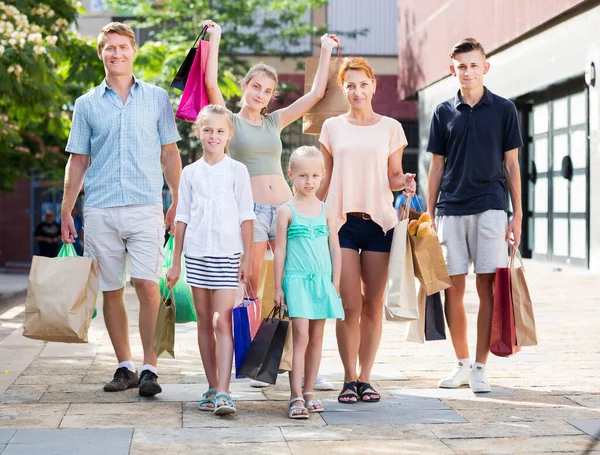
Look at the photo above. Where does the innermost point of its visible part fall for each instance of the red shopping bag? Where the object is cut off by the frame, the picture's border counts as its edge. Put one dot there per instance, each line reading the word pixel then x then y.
pixel 194 96
pixel 503 338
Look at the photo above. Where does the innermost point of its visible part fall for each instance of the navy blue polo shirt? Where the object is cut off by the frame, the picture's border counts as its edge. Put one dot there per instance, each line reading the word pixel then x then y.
pixel 474 141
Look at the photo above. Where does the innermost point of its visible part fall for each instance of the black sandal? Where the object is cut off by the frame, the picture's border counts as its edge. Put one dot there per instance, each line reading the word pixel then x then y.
pixel 373 396
pixel 352 394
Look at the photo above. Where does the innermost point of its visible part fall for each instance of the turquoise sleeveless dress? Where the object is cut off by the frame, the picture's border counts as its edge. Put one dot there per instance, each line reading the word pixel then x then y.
pixel 307 278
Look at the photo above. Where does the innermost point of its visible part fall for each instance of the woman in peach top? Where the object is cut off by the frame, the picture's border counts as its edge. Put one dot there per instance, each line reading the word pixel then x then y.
pixel 363 160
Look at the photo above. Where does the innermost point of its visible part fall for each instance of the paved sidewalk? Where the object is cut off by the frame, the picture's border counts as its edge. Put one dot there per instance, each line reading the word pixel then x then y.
pixel 545 399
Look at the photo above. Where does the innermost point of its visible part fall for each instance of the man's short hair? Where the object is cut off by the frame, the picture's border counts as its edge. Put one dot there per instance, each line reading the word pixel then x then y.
pixel 466 45
pixel 115 27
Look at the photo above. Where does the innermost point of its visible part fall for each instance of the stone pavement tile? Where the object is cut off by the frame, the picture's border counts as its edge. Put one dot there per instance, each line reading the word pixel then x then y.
pixel 58 367
pixel 357 432
pixel 392 411
pixel 503 429
pixel 48 379
pixel 282 393
pixel 2 447
pixel 526 414
pixel 463 393
pixel 380 372
pixel 31 415
pixel 6 435
pixel 13 362
pixel 589 401
pixel 489 446
pixel 123 415
pixel 212 436
pixel 276 448
pixel 395 447
pixel 590 426
pixel 70 350
pixel 87 393
pixel 70 442
pixel 23 394
pixel 193 392
pixel 249 414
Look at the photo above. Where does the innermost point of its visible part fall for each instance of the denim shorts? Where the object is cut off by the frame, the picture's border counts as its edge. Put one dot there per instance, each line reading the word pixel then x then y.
pixel 264 225
pixel 364 235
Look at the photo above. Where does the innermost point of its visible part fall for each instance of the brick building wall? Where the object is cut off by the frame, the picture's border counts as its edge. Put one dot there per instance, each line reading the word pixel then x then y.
pixel 15 225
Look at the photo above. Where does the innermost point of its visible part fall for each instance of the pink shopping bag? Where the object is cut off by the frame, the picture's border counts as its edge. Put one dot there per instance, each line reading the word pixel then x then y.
pixel 194 96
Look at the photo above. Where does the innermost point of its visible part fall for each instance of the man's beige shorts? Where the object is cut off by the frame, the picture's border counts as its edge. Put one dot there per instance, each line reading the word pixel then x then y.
pixel 115 234
pixel 479 238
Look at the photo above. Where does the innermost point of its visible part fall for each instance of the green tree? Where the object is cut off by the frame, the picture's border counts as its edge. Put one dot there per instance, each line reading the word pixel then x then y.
pixel 44 66
pixel 250 27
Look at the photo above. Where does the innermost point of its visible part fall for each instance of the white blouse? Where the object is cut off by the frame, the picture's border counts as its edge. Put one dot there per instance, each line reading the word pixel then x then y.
pixel 214 200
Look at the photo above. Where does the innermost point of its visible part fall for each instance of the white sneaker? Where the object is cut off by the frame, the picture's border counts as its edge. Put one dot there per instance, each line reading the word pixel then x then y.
pixel 322 385
pixel 478 380
pixel 458 377
pixel 258 384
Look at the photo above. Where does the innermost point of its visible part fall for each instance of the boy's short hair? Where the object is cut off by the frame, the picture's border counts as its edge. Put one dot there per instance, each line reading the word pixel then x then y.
pixel 115 27
pixel 466 45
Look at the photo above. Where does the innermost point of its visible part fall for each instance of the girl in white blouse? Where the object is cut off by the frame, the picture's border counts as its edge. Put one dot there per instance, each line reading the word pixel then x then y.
pixel 214 230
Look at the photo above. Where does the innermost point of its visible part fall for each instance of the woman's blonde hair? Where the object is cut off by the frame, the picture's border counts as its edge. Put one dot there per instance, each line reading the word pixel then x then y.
pixel 256 70
pixel 214 109
pixel 304 152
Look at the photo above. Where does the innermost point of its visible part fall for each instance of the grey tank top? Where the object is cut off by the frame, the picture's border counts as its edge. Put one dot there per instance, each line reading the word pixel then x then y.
pixel 258 147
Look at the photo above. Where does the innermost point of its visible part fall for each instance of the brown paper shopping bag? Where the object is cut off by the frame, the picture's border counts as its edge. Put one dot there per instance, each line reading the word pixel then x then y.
pixel 401 292
pixel 332 104
pixel 523 307
pixel 266 287
pixel 430 266
pixel 164 334
pixel 61 296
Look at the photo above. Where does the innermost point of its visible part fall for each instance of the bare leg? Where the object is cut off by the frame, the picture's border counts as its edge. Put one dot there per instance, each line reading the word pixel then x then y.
pixel 117 323
pixel 485 290
pixel 149 296
pixel 348 330
pixel 206 334
pixel 374 275
pixel 223 301
pixel 301 340
pixel 312 357
pixel 457 316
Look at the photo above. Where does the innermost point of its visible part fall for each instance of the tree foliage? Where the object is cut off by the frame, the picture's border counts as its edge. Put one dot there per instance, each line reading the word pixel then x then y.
pixel 44 66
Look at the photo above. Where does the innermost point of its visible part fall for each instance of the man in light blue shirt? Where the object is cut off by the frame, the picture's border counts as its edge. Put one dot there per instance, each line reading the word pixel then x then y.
pixel 122 141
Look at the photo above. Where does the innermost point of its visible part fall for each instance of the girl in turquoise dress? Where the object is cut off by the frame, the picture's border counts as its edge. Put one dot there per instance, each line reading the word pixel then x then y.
pixel 307 275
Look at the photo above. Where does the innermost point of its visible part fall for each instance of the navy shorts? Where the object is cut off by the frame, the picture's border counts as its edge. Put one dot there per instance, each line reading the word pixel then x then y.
pixel 364 235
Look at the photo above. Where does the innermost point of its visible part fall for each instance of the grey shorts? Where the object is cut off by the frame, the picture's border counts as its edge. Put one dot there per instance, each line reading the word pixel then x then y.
pixel 479 238
pixel 264 225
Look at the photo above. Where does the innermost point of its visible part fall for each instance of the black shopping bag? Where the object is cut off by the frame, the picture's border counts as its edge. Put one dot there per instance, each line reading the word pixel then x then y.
pixel 264 354
pixel 184 70
pixel 435 327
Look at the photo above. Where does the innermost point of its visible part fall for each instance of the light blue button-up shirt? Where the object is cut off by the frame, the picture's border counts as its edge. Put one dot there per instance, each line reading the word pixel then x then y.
pixel 124 143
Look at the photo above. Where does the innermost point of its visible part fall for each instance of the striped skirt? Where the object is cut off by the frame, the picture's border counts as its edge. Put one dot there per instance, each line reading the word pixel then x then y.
pixel 213 272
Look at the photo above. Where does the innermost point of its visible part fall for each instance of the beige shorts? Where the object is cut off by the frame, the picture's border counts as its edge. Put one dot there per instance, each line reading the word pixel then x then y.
pixel 115 234
pixel 479 238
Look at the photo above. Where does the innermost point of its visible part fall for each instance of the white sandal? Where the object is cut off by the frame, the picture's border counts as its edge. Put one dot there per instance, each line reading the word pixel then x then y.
pixel 315 404
pixel 295 409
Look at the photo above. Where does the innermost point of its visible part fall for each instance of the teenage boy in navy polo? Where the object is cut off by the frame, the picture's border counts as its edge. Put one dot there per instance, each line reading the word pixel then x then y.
pixel 474 140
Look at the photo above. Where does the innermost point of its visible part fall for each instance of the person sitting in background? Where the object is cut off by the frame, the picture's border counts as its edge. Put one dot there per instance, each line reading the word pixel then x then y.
pixel 47 235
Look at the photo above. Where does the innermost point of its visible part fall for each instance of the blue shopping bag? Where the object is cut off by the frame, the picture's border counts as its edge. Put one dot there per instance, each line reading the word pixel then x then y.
pixel 241 336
